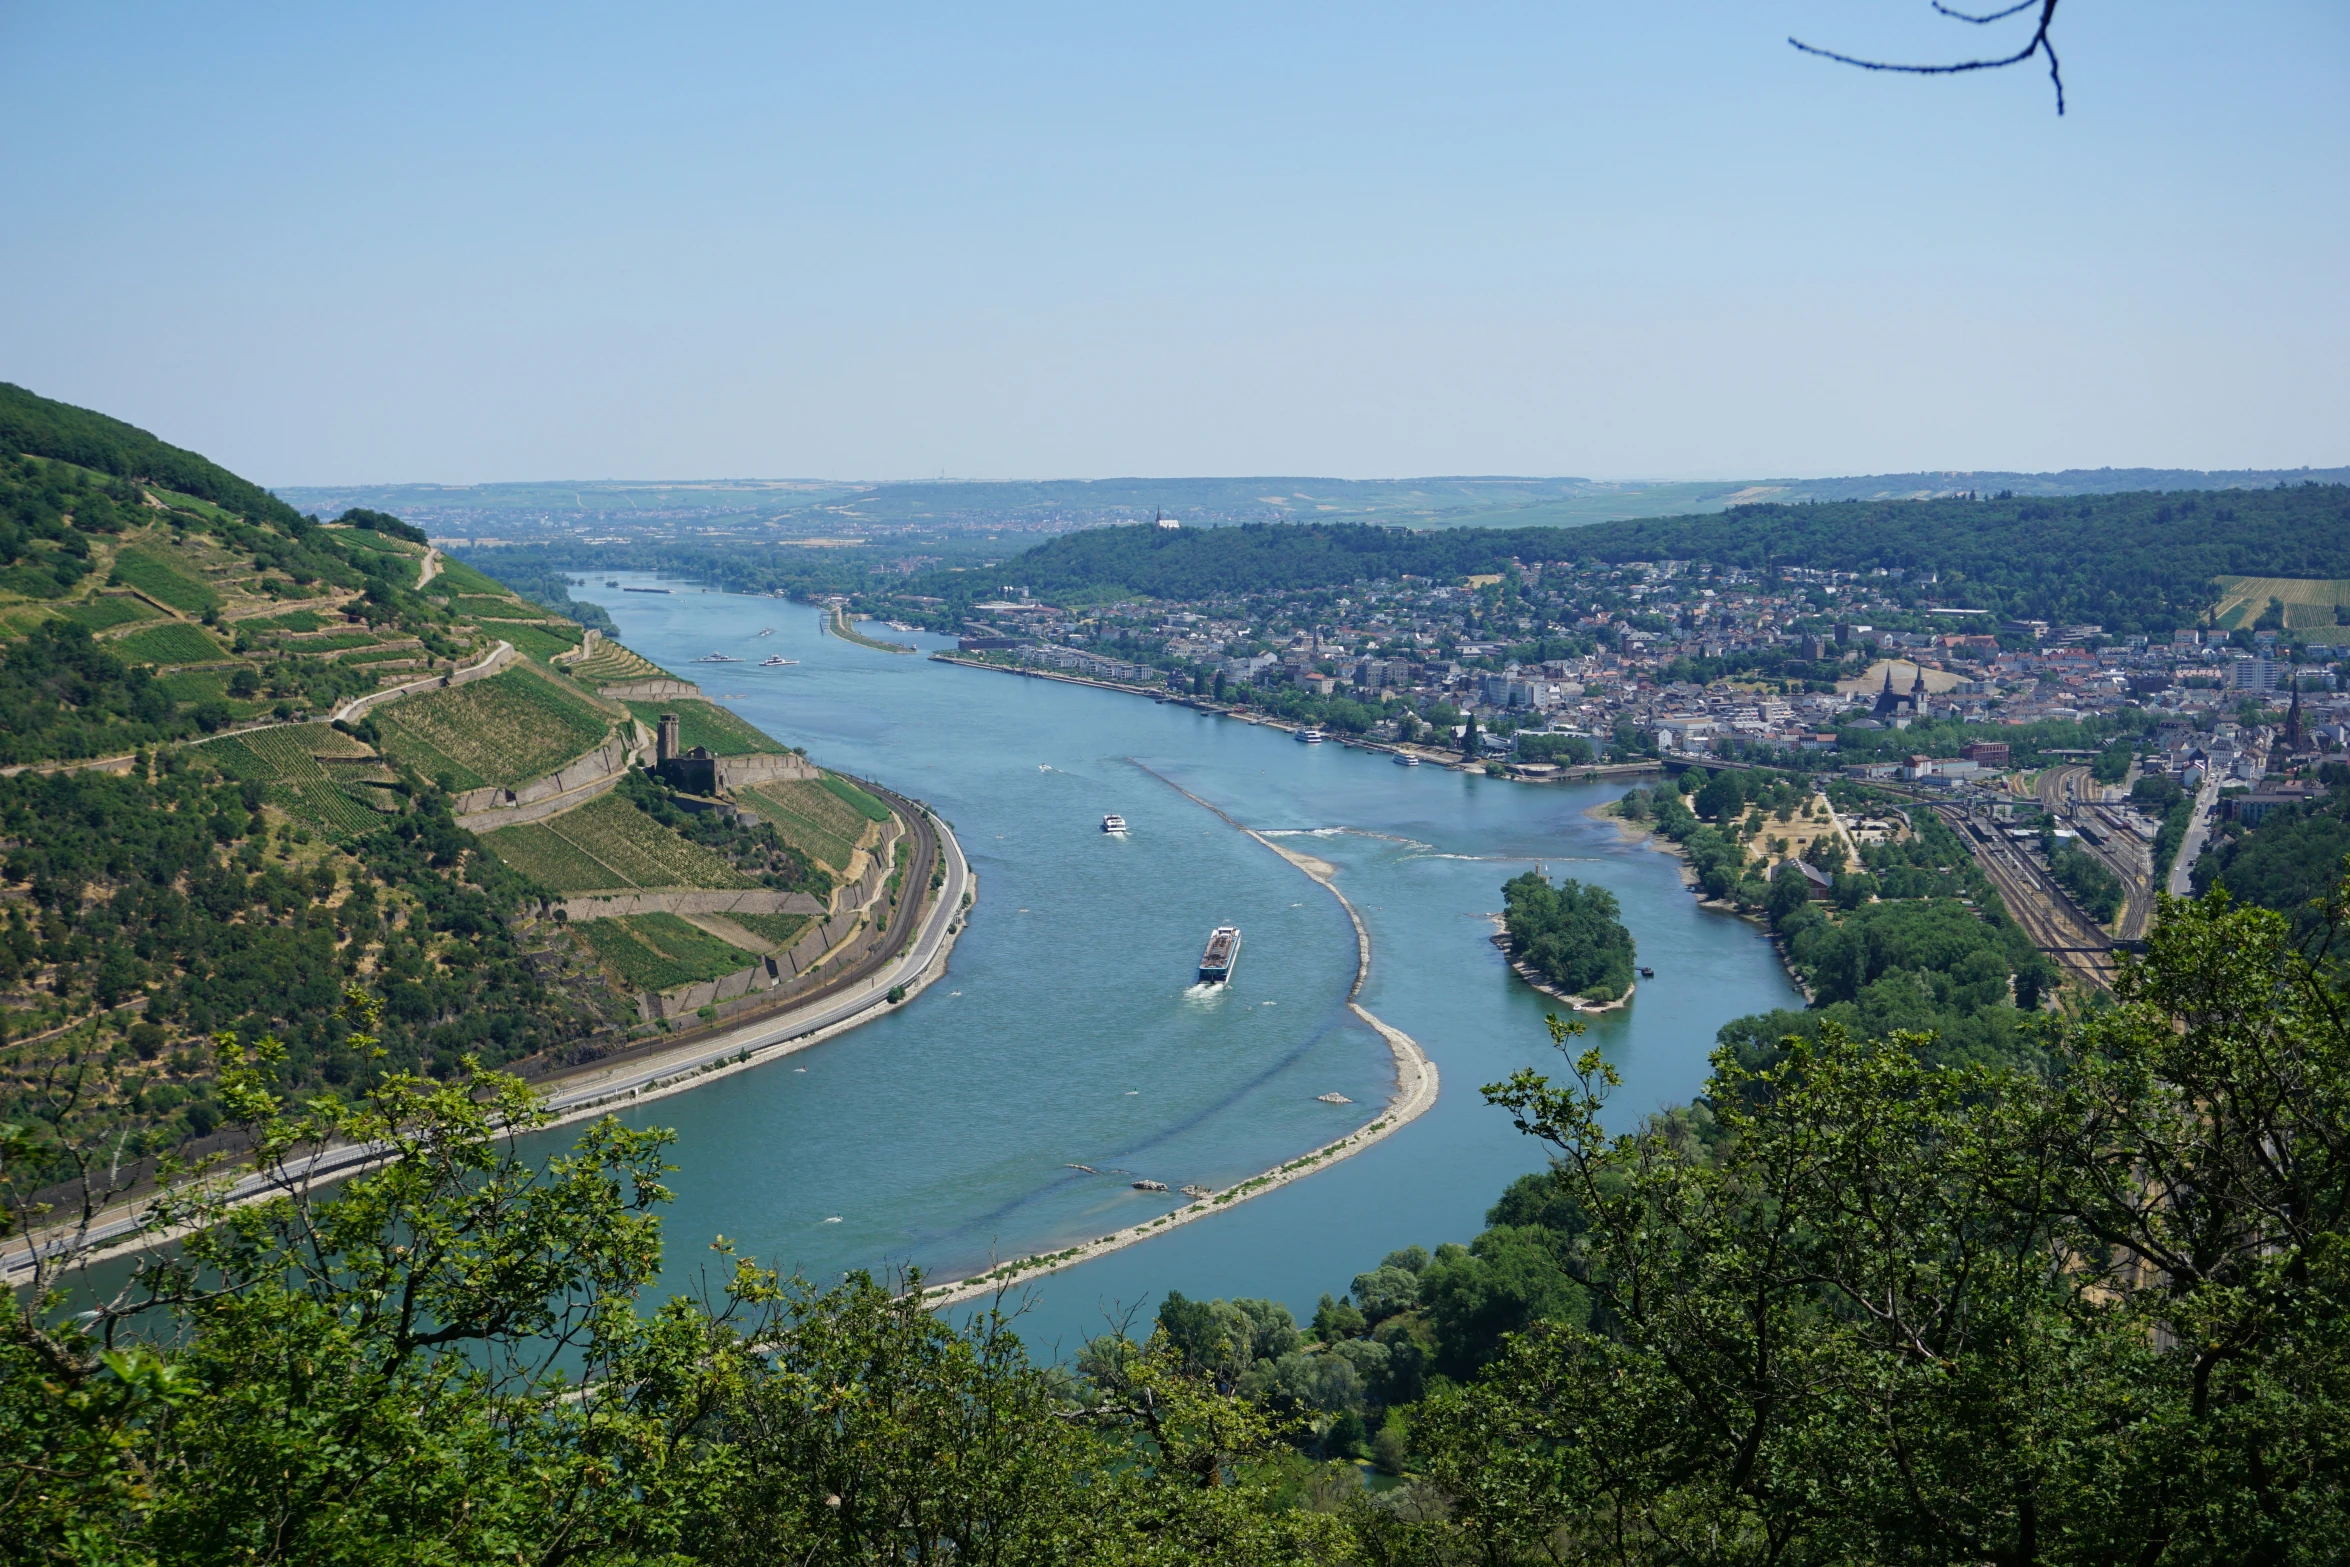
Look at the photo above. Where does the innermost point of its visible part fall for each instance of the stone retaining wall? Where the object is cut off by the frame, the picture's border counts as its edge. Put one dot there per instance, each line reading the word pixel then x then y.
pixel 754 900
pixel 605 763
pixel 500 657
pixel 651 691
pixel 741 772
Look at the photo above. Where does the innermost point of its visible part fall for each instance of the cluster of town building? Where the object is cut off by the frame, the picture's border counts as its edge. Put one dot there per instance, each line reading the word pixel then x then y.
pixel 1683 657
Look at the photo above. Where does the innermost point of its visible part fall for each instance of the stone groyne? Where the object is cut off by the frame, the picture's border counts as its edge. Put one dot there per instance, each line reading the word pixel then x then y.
pixel 1415 1094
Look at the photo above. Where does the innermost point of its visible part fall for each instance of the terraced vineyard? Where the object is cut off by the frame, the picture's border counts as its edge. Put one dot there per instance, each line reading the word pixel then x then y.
pixel 605 845
pixel 611 662
pixel 503 731
pixel 708 724
pixel 304 767
pixel 532 639
pixel 812 819
pixel 855 799
pixel 660 951
pixel 172 643
pixel 161 579
pixel 101 614
pixel 778 930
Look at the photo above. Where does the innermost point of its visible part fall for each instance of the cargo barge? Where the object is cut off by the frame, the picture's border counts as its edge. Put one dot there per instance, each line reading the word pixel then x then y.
pixel 1216 964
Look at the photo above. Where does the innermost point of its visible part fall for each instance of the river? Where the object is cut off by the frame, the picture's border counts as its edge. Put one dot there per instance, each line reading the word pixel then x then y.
pixel 1068 1031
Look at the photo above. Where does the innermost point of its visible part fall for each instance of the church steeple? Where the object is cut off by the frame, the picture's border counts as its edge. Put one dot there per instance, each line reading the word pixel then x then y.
pixel 2293 720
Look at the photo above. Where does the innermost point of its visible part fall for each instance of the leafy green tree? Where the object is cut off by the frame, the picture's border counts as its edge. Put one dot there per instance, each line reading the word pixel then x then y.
pixel 1887 1311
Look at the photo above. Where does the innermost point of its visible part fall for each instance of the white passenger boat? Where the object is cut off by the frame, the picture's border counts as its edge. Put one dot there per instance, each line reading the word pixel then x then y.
pixel 1406 759
pixel 1311 737
pixel 1114 823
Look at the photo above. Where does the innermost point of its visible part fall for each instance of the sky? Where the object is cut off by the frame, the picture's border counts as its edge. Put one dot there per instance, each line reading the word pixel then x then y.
pixel 359 244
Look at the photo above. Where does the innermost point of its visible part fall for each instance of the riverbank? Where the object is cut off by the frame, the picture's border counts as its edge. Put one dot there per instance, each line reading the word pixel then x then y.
pixel 1593 772
pixel 1533 977
pixel 601 1088
pixel 1415 1094
pixel 1646 833
pixel 836 621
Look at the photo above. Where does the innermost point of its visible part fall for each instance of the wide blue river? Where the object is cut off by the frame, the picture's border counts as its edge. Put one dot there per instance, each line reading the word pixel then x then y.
pixel 1069 1032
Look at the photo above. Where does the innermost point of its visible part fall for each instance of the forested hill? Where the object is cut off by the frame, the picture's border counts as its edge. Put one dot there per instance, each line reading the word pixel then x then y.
pixel 40 427
pixel 2143 561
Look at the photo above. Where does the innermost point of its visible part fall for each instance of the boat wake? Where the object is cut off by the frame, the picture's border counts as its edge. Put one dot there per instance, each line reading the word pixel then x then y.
pixel 1205 994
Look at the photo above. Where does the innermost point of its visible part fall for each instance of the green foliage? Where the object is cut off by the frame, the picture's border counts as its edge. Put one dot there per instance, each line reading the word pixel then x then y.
pixel 661 951
pixel 37 425
pixel 2096 889
pixel 1893 1311
pixel 1572 934
pixel 779 930
pixel 2289 863
pixel 2131 562
pixel 64 696
pixel 383 523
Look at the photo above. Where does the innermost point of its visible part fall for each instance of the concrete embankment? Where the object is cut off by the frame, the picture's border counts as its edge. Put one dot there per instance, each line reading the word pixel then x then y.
pixel 1415 1093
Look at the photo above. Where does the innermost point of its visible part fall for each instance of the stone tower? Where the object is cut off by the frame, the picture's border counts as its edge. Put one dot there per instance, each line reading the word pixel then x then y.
pixel 665 747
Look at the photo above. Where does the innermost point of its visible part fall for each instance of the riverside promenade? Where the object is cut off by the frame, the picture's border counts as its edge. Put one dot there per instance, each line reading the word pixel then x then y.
pixel 1415 1094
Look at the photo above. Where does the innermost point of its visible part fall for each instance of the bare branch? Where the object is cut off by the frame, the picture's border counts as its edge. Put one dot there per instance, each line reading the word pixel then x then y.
pixel 2040 44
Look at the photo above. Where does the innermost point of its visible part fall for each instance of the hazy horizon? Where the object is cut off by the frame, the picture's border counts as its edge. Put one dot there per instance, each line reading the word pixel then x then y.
pixel 1220 240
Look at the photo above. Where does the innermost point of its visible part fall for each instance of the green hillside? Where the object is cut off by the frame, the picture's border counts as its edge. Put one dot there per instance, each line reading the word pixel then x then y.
pixel 2143 561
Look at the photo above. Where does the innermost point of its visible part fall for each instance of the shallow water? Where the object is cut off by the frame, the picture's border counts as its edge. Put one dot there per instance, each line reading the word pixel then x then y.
pixel 1069 1030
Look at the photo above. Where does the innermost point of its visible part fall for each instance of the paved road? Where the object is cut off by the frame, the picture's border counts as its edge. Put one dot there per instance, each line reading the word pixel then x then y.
pixel 864 988
pixel 2182 884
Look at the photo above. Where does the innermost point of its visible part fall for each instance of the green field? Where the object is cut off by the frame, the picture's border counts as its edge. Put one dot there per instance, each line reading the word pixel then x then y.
pixel 173 643
pixel 99 614
pixel 378 655
pixel 533 641
pixel 856 799
pixel 159 578
pixel 661 951
pixel 2310 602
pixel 503 731
pixel 605 845
pixel 811 818
pixel 779 930
pixel 708 724
pixel 305 767
pixel 292 620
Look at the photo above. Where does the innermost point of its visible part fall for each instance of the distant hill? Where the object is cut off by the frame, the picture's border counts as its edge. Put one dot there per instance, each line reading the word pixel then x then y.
pixel 2135 561
pixel 529 512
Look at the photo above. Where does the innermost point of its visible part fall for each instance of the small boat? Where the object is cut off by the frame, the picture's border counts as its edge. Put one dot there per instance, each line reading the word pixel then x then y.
pixel 776 661
pixel 1406 759
pixel 1648 973
pixel 1216 964
pixel 717 658
pixel 767 631
pixel 612 582
pixel 1311 737
pixel 1114 823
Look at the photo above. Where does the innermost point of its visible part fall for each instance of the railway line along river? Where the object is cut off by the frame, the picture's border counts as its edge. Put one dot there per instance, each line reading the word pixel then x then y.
pixel 1008 1110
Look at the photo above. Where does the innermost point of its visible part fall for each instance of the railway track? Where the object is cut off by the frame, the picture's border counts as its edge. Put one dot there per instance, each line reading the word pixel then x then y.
pixel 2069 794
pixel 2080 948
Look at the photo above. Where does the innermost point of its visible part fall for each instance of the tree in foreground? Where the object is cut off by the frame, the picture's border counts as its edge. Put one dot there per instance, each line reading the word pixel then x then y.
pixel 1862 1309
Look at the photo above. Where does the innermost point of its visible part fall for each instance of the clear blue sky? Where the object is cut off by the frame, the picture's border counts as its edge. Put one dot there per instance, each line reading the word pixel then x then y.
pixel 343 243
